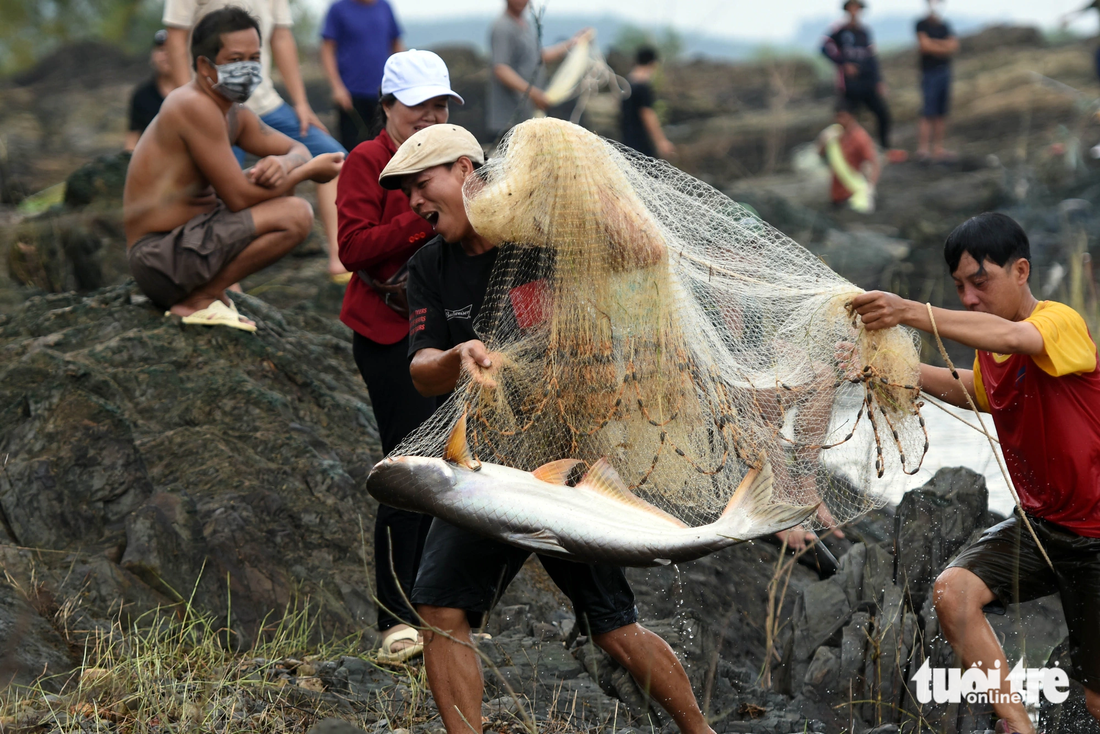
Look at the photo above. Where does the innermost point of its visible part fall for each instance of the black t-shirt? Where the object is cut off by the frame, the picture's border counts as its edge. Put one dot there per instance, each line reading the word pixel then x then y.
pixel 939 30
pixel 446 289
pixel 634 133
pixel 144 105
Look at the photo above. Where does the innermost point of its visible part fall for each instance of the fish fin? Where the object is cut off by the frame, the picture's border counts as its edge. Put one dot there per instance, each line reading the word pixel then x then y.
pixel 556 472
pixel 457 450
pixel 540 541
pixel 754 491
pixel 603 478
pixel 750 512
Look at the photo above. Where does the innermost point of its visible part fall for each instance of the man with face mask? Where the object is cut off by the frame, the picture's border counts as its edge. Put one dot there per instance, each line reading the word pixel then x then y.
pixel 195 222
pixel 294 117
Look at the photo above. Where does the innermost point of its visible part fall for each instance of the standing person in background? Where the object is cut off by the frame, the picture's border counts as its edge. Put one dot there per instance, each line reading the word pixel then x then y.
pixel 937 45
pixel 146 100
pixel 850 47
pixel 357 38
pixel 378 235
pixel 640 126
pixel 516 69
pixel 298 122
pixel 1094 5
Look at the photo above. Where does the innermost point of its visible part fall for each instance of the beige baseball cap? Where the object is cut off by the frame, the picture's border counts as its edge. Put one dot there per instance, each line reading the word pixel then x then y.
pixel 436 145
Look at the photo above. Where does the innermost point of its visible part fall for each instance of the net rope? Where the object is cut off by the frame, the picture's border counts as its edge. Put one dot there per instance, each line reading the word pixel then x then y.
pixel 638 314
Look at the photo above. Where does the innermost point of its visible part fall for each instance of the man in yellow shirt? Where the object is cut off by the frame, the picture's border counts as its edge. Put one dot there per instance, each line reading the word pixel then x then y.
pixel 1036 372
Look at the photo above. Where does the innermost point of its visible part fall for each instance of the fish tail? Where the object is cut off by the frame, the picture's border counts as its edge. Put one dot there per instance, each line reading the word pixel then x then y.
pixel 750 512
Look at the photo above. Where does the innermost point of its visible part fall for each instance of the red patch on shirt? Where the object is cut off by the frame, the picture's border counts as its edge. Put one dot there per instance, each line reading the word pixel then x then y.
pixel 531 303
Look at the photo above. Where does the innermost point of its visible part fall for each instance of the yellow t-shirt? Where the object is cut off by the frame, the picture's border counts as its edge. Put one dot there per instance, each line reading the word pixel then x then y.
pixel 1067 347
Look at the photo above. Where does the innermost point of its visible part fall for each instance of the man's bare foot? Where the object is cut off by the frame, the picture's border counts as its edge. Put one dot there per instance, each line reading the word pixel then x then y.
pixel 195 303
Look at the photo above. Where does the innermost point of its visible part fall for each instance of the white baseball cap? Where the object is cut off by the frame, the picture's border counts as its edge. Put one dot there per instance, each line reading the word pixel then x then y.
pixel 416 76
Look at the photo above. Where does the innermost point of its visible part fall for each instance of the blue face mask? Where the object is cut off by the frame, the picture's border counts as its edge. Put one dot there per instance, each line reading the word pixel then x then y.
pixel 237 80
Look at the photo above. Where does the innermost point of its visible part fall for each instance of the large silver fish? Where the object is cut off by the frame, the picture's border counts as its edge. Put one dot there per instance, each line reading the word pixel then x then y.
pixel 597 521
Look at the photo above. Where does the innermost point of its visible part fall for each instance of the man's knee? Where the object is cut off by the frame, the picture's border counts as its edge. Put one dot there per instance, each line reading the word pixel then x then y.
pixel 299 216
pixel 957 595
pixel 445 619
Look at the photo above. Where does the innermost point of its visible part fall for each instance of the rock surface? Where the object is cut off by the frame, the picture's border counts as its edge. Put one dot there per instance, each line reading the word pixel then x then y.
pixel 156 460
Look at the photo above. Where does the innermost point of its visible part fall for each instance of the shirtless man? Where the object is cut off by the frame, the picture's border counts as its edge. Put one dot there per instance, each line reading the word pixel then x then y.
pixel 195 222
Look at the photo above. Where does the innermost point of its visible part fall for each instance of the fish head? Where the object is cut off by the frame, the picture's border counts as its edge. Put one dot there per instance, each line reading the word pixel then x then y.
pixel 411 482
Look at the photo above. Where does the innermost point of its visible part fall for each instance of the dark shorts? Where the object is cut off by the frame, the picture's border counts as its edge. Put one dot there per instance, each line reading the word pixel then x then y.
pixel 461 570
pixel 935 84
pixel 1008 561
pixel 168 266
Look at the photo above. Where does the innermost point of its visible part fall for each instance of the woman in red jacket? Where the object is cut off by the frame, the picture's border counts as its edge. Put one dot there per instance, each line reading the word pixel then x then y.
pixel 378 234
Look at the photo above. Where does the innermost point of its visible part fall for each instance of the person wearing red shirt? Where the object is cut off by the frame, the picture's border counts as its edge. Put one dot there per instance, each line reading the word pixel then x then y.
pixel 857 148
pixel 378 233
pixel 1036 372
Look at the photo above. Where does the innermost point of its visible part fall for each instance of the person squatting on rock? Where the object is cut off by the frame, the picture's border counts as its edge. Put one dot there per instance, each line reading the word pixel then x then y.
pixel 378 235
pixel 298 122
pixel 147 97
pixel 937 44
pixel 461 573
pixel 858 78
pixel 195 222
pixel 1036 372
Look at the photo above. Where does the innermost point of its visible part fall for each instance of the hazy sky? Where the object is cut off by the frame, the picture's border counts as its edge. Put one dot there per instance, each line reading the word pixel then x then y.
pixel 753 19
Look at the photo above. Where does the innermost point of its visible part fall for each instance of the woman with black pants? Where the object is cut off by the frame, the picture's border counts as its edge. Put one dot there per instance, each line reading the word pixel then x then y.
pixel 378 234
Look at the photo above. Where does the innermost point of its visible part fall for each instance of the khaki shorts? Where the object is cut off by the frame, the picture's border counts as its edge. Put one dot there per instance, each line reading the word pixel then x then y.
pixel 168 266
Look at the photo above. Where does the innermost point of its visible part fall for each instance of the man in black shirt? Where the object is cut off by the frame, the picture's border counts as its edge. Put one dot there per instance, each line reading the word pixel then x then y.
pixel 850 47
pixel 640 126
pixel 462 574
pixel 147 98
pixel 937 44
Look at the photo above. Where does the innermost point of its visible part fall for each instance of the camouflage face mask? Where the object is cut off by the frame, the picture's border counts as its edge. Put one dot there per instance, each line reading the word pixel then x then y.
pixel 237 79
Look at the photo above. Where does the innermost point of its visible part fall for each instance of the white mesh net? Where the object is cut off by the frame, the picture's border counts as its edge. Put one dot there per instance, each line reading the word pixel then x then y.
pixel 640 315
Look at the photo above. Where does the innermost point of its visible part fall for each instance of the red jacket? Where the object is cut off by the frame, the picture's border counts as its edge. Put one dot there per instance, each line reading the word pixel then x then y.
pixel 378 233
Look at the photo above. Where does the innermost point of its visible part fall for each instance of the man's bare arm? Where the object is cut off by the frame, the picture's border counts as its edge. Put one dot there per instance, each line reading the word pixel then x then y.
pixel 179 58
pixel 436 371
pixel 340 94
pixel 510 78
pixel 204 133
pixel 983 331
pixel 261 140
pixel 939 383
pixel 284 52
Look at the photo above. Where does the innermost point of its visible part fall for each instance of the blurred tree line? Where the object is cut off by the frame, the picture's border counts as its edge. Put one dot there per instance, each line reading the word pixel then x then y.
pixel 31 29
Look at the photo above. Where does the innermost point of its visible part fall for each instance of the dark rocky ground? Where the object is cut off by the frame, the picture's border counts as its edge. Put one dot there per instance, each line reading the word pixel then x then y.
pixel 146 463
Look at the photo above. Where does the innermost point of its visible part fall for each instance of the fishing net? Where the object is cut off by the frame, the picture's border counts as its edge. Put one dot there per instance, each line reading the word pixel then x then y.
pixel 638 314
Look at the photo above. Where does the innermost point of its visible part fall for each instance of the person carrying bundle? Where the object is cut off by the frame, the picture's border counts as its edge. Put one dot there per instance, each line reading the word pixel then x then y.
pixel 462 574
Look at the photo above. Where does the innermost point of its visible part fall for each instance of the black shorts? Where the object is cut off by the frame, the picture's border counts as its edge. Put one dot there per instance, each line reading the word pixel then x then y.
pixel 1010 564
pixel 462 570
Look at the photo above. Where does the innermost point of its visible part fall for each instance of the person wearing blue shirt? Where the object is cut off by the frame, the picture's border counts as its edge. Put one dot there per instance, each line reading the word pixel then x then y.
pixel 357 38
